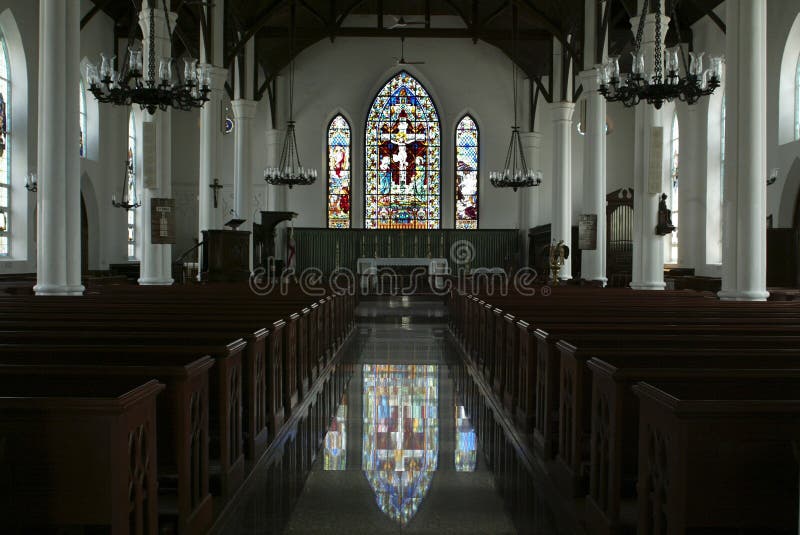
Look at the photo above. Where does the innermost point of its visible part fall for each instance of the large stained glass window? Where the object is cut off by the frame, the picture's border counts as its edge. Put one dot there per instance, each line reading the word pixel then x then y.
pixel 403 145
pixel 401 435
pixel 131 186
pixel 339 173
pixel 5 146
pixel 467 152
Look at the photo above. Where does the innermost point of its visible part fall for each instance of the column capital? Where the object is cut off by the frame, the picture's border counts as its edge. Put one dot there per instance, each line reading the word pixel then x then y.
pixel 589 81
pixel 160 22
pixel 219 75
pixel 244 109
pixel 562 111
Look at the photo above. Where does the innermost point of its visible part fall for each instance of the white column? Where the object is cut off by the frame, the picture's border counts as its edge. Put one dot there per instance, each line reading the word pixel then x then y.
pixel 593 263
pixel 155 266
pixel 648 248
pixel 243 111
pixel 210 141
pixel 561 228
pixel 58 270
pixel 529 197
pixel 692 201
pixel 274 144
pixel 744 229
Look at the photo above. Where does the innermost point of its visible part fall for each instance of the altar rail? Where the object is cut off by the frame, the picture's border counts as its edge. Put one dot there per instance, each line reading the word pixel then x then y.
pixel 327 249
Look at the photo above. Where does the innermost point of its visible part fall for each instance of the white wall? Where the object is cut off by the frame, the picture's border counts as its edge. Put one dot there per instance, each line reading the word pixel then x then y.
pixel 460 77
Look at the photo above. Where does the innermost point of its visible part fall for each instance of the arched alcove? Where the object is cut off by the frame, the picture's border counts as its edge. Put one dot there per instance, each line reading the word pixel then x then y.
pixel 20 202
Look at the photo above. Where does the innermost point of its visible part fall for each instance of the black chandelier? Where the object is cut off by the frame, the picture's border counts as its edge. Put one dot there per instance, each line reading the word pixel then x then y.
pixel 290 172
pixel 655 88
pixel 150 93
pixel 129 200
pixel 515 173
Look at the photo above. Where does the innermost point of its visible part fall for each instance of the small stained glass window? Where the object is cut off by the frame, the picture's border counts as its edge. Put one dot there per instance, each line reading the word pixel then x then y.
pixel 467 156
pixel 5 147
pixel 674 191
pixel 83 121
pixel 339 173
pixel 131 186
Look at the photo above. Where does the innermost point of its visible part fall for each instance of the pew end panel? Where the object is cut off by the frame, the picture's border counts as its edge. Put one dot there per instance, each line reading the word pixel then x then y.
pixel 104 474
pixel 714 456
pixel 545 433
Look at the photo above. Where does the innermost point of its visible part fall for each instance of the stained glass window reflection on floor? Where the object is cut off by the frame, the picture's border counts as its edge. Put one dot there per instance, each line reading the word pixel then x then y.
pixel 401 435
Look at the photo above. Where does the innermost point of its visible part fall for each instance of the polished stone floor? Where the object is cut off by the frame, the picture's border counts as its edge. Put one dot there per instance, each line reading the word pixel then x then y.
pixel 457 502
pixel 412 442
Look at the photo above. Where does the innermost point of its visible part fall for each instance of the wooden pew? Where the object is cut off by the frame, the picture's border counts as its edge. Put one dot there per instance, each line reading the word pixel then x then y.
pixel 78 453
pixel 718 456
pixel 615 415
pixel 183 414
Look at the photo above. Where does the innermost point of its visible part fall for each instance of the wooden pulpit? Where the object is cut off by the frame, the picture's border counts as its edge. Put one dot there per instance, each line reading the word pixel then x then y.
pixel 264 237
pixel 226 255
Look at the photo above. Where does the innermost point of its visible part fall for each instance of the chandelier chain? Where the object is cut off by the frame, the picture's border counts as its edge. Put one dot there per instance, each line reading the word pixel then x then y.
pixel 657 78
pixel 151 61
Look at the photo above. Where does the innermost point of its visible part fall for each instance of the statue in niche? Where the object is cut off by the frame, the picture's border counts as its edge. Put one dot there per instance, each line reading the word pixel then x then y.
pixel 664 225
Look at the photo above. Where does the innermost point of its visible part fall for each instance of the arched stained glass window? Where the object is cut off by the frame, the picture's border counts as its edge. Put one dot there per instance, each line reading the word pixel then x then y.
pixel 674 150
pixel 467 158
pixel 403 155
pixel 5 146
pixel 132 185
pixel 83 120
pixel 339 173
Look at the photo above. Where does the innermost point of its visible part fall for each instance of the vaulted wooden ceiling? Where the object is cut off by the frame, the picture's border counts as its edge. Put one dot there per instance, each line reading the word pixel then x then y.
pixel 492 21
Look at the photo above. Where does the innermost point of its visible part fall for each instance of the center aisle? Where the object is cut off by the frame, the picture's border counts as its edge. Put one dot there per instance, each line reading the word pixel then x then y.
pixel 410 435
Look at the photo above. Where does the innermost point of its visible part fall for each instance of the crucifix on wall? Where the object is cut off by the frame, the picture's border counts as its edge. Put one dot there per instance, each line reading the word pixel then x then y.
pixel 216 186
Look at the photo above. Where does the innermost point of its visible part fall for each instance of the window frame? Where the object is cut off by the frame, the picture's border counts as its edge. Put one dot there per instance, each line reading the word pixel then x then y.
pixel 84 122
pixel 457 173
pixel 328 171
pixel 367 122
pixel 130 222
pixel 673 243
pixel 5 182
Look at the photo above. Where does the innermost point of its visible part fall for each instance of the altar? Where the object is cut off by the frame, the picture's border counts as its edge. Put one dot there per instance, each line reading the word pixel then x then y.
pixel 368 269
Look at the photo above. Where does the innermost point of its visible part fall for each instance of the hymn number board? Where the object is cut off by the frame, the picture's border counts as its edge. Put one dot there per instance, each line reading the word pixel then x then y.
pixel 162 221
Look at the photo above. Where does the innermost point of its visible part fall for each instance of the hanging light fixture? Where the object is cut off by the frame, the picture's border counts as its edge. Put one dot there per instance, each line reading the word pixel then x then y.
pixel 515 173
pixel 129 200
pixel 654 88
pixel 290 172
pixel 150 93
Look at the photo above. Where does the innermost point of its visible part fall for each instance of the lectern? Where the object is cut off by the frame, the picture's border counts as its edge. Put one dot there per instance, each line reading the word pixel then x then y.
pixel 226 255
pixel 264 237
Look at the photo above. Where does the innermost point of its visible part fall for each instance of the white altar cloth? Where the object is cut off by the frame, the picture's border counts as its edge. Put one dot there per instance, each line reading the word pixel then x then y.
pixel 368 269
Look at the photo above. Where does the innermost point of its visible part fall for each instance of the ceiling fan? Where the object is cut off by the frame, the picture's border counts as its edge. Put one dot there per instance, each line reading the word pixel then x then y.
pixel 401 22
pixel 402 59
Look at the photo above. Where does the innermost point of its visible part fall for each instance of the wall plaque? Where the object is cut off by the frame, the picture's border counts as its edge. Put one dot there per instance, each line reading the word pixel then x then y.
pixel 149 177
pixel 587 232
pixel 655 170
pixel 162 221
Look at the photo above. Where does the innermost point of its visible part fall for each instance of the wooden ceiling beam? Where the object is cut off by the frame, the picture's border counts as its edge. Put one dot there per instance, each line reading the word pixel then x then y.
pixel 262 19
pixel 281 32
